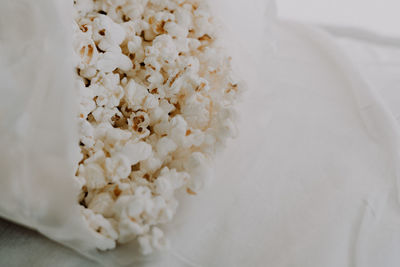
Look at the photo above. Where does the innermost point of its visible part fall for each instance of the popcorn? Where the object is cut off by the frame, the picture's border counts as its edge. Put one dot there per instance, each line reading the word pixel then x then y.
pixel 111 60
pixel 102 203
pixel 107 33
pixel 135 152
pixel 86 133
pixel 94 175
pixel 155 96
pixel 155 240
pixel 165 146
pixel 103 229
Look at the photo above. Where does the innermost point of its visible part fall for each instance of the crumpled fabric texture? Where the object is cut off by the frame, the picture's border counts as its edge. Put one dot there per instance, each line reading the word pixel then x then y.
pixel 36 121
pixel 311 180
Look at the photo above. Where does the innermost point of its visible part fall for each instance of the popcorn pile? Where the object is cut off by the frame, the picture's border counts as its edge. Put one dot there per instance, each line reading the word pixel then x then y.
pixel 156 99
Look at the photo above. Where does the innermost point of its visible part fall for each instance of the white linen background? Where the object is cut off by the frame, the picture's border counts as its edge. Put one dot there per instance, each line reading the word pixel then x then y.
pixel 380 16
pixel 311 179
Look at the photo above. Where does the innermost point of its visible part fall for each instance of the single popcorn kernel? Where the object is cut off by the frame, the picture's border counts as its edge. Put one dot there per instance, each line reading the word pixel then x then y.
pixel 156 100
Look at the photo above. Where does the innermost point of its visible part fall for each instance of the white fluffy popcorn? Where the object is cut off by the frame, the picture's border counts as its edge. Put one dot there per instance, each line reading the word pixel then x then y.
pixel 156 96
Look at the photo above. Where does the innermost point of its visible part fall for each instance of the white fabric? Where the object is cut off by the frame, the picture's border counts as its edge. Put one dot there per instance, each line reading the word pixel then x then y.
pixel 37 129
pixel 373 15
pixel 380 66
pixel 316 185
pixel 311 179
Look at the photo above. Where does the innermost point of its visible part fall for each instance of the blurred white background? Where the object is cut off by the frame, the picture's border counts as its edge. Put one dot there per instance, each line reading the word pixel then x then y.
pixel 376 15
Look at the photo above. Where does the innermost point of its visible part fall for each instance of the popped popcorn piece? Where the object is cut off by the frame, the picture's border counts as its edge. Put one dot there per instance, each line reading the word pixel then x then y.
pixel 155 240
pixel 107 33
pixel 102 203
pixel 155 96
pixel 102 229
pixel 94 175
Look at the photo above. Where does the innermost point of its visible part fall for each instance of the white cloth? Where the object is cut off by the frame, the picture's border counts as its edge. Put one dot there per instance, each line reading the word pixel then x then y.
pixel 37 125
pixel 311 179
pixel 373 15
